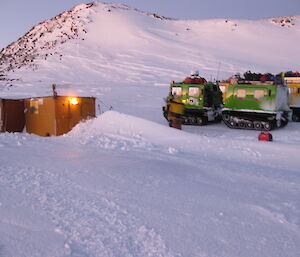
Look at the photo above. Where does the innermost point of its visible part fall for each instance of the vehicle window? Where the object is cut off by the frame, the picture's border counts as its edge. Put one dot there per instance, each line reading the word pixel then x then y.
pixel 176 91
pixel 194 91
pixel 259 93
pixel 222 88
pixel 241 93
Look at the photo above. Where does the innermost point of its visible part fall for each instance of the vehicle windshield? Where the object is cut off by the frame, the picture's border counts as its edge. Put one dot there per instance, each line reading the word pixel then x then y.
pixel 222 88
pixel 194 91
pixel 176 91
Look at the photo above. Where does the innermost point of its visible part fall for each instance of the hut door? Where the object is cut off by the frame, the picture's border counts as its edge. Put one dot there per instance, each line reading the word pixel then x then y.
pixel 63 116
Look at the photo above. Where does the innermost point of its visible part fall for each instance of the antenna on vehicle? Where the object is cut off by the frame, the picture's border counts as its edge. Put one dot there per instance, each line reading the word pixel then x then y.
pixel 219 66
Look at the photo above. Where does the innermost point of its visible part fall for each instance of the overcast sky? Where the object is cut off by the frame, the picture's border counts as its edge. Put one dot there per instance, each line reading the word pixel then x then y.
pixel 18 16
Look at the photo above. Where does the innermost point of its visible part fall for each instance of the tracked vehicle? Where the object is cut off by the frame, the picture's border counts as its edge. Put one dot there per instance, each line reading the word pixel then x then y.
pixel 258 105
pixel 293 83
pixel 202 102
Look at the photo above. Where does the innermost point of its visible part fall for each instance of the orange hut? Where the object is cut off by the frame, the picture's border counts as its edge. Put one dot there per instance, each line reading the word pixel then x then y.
pixel 57 115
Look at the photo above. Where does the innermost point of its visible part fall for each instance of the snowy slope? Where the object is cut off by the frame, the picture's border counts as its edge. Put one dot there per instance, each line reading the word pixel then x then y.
pixel 125 184
pixel 102 44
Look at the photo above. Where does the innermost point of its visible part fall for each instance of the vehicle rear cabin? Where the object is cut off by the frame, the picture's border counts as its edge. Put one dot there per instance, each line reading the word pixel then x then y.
pixel 256 105
pixel 294 90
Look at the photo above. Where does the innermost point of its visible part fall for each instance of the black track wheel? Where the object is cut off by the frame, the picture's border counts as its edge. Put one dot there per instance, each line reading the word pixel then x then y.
pixel 249 124
pixel 232 123
pixel 200 121
pixel 242 124
pixel 267 126
pixel 295 118
pixel 278 123
pixel 192 121
pixel 257 125
pixel 226 117
pixel 185 121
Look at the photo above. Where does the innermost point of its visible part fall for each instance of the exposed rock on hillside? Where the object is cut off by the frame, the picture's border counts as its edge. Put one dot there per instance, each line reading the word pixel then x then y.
pixel 42 39
pixel 286 21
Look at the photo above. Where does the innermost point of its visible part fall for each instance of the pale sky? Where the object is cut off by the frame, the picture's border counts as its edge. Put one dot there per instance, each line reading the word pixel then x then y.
pixel 18 16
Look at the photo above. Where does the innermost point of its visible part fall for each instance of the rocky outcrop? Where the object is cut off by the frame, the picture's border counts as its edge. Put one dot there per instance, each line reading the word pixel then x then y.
pixel 42 39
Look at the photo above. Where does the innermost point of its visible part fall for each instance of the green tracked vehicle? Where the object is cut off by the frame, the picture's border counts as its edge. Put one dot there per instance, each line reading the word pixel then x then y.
pixel 202 102
pixel 258 105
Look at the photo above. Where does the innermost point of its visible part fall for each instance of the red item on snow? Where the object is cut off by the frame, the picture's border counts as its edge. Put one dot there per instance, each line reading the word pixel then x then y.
pixel 265 136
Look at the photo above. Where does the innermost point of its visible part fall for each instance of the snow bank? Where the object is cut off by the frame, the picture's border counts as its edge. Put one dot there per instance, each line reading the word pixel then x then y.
pixel 114 130
pixel 119 131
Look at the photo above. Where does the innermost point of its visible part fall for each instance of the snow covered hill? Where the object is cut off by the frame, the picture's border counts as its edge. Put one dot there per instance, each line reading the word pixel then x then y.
pixel 109 44
pixel 125 184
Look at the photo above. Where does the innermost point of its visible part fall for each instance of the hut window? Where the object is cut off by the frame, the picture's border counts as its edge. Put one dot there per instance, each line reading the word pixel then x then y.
pixel 34 106
pixel 259 93
pixel 298 90
pixel 73 100
pixel 176 91
pixel 194 91
pixel 241 93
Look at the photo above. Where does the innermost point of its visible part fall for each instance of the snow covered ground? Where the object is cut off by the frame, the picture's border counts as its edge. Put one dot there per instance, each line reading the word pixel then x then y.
pixel 125 184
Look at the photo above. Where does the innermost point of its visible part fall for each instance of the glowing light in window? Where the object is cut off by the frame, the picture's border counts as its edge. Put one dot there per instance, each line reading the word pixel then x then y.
pixel 73 100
